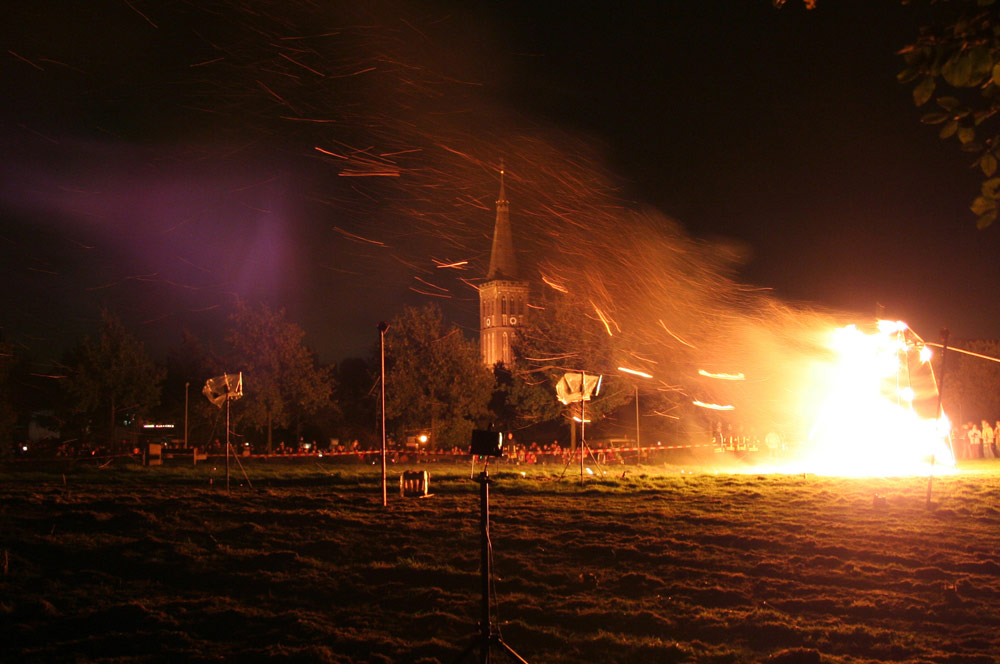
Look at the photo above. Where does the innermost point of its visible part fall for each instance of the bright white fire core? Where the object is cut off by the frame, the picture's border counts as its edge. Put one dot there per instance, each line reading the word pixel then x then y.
pixel 879 413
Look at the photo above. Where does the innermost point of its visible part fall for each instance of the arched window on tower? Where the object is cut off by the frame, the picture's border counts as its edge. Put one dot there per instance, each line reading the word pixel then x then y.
pixel 503 305
pixel 506 350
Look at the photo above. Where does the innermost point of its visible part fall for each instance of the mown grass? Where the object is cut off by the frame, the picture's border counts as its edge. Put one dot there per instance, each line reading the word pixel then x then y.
pixel 133 564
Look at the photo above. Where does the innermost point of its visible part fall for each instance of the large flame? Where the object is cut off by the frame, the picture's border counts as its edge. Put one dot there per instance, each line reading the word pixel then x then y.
pixel 880 412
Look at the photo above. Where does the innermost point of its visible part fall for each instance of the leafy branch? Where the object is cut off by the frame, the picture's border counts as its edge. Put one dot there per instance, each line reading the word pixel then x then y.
pixel 956 64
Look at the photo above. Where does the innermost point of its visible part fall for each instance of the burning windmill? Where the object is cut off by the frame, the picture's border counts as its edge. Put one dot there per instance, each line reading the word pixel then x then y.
pixel 879 413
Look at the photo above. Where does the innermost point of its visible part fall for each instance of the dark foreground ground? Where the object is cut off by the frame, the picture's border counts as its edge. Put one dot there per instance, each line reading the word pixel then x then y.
pixel 156 565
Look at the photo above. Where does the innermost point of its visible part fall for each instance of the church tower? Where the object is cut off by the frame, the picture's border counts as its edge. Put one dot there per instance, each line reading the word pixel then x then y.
pixel 503 298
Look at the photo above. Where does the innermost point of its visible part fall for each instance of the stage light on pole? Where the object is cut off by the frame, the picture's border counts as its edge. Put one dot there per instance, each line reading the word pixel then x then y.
pixel 578 386
pixel 224 389
pixel 487 444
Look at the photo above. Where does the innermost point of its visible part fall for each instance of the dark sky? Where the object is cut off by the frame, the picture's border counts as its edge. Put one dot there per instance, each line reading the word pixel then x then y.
pixel 162 159
pixel 787 131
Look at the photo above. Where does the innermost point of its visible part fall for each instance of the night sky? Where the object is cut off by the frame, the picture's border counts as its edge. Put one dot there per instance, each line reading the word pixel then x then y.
pixel 162 159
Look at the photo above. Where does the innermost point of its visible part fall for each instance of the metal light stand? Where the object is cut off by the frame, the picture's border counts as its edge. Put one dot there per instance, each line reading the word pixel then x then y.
pixel 213 390
pixel 382 327
pixel 230 450
pixel 584 395
pixel 486 638
pixel 584 447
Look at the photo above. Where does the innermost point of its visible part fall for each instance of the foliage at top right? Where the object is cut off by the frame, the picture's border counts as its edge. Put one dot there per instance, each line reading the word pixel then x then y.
pixel 954 68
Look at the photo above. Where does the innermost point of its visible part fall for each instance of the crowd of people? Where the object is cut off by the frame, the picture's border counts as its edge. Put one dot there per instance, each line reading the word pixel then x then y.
pixel 977 441
pixel 734 438
pixel 739 440
pixel 514 453
pixel 524 454
pixel 554 453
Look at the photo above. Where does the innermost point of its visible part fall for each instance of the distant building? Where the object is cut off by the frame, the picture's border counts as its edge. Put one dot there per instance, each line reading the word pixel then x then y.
pixel 503 298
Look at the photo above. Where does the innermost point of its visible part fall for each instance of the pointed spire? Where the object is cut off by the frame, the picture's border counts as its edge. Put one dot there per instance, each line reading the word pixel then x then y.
pixel 503 265
pixel 503 194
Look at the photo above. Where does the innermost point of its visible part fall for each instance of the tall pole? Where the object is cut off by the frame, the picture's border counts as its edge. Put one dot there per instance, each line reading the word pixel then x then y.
pixel 583 419
pixel 382 327
pixel 944 353
pixel 637 443
pixel 186 386
pixel 227 443
pixel 641 374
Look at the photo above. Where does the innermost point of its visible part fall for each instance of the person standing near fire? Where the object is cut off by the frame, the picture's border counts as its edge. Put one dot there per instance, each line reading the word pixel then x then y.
pixel 975 442
pixel 988 437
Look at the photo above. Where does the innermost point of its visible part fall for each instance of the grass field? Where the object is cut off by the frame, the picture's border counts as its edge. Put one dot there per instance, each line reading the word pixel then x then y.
pixel 133 564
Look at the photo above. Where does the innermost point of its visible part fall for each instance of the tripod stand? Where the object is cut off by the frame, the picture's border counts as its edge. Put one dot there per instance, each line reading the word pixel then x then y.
pixel 585 450
pixel 229 449
pixel 486 637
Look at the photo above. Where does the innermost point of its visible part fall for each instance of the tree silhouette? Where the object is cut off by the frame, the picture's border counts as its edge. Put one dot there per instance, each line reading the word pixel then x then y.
pixel 282 380
pixel 435 377
pixel 113 372
pixel 562 337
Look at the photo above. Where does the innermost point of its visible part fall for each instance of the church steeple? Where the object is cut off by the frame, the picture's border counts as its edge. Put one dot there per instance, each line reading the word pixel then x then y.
pixel 503 264
pixel 503 298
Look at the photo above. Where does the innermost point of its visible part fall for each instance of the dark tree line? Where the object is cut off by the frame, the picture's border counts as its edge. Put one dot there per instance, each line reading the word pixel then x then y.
pixel 436 383
pixel 111 385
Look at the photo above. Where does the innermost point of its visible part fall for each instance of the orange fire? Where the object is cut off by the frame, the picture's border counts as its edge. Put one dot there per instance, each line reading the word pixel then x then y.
pixel 879 416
